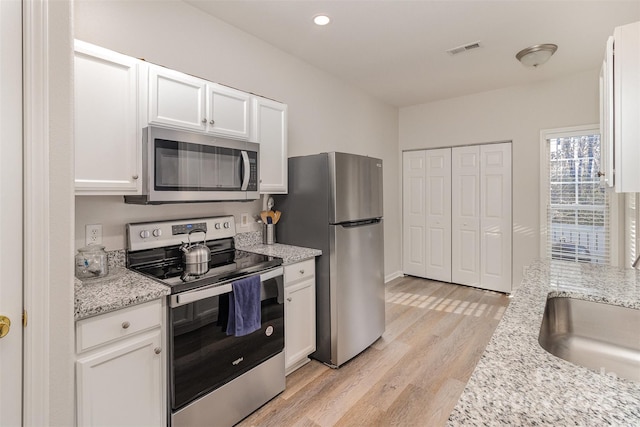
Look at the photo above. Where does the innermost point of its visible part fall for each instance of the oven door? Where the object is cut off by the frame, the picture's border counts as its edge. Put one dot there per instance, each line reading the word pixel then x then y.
pixel 202 356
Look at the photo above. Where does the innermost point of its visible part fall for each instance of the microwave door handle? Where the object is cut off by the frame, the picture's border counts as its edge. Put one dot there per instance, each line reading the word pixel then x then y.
pixel 246 169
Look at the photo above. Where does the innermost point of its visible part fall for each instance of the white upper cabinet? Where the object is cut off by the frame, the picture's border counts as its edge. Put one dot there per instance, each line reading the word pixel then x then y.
pixel 107 130
pixel 116 96
pixel 270 131
pixel 176 99
pixel 228 111
pixel 620 110
pixel 180 100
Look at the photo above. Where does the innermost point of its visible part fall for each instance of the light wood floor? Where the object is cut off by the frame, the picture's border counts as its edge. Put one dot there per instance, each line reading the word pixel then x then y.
pixel 412 376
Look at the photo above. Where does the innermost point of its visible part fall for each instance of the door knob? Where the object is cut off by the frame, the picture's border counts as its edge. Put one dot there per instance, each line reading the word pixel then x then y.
pixel 5 325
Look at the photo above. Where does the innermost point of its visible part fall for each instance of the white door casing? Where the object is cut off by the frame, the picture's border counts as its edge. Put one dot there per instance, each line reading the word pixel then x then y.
pixel 438 214
pixel 11 213
pixel 413 208
pixel 465 221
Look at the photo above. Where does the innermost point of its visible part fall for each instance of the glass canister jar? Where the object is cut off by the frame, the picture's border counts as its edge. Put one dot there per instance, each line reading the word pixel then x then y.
pixel 91 262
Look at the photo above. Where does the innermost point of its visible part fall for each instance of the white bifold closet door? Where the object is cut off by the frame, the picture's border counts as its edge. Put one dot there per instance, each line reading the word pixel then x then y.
pixel 427 213
pixel 481 216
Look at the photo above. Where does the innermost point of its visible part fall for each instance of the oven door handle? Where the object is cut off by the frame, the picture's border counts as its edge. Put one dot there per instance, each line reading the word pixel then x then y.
pixel 247 170
pixel 187 297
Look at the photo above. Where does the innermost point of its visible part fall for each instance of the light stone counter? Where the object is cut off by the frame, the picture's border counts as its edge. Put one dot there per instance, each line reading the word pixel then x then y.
pixel 252 242
pixel 119 289
pixel 517 382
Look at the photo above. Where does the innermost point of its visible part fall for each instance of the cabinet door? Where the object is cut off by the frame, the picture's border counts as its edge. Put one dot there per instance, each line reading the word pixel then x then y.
pixel 176 99
pixel 465 218
pixel 495 217
pixel 270 131
pixel 626 108
pixel 228 111
pixel 413 207
pixel 438 214
pixel 107 134
pixel 300 322
pixel 122 384
pixel 606 117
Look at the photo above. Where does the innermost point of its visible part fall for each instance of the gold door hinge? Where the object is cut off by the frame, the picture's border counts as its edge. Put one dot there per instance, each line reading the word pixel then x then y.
pixel 24 318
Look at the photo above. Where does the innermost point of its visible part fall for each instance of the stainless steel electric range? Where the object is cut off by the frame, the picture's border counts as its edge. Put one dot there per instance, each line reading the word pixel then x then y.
pixel 213 378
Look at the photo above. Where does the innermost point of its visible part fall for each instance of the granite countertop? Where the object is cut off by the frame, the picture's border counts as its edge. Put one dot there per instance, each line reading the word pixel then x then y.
pixel 517 382
pixel 252 242
pixel 119 289
pixel 123 287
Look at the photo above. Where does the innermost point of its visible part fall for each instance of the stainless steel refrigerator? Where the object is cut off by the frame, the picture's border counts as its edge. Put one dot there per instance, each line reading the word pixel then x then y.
pixel 335 204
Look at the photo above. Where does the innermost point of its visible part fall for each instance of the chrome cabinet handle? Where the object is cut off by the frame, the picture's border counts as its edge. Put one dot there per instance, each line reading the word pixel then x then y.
pixel 289 299
pixel 211 122
pixel 135 177
pixel 301 271
pixel 204 120
pixel 125 325
pixel 157 350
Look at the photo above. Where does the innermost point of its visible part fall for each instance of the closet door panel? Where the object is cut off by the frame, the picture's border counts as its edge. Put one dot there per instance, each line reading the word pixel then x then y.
pixel 465 218
pixel 438 219
pixel 414 214
pixel 495 218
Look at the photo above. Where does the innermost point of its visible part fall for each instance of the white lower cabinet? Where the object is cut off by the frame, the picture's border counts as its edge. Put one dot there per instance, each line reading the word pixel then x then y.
pixel 120 369
pixel 299 314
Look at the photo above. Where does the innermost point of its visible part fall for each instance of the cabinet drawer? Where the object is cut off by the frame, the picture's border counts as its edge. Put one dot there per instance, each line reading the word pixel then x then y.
pixel 118 324
pixel 299 271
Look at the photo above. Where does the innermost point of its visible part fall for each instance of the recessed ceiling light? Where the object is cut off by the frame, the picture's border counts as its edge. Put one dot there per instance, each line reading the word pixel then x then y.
pixel 321 19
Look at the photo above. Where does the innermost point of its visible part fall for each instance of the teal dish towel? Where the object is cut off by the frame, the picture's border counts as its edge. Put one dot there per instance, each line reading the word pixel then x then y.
pixel 244 307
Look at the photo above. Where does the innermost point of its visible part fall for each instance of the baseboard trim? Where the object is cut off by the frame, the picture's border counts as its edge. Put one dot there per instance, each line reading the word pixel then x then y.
pixel 392 276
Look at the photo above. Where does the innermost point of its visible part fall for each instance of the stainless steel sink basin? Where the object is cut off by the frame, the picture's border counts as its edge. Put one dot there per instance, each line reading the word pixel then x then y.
pixel 598 336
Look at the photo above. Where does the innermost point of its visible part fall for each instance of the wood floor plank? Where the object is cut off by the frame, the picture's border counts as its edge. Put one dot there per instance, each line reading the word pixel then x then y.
pixel 363 372
pixel 412 376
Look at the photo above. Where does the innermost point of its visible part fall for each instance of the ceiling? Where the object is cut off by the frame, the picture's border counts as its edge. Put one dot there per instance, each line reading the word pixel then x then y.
pixel 395 50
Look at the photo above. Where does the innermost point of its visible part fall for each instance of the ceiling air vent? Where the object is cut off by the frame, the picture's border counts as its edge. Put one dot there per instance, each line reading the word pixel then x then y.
pixel 464 48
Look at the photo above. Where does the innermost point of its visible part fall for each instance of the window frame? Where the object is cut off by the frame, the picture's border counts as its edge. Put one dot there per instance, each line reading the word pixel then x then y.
pixel 616 215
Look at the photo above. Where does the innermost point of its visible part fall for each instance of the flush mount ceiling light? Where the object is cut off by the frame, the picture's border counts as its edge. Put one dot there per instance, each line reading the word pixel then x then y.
pixel 321 20
pixel 536 55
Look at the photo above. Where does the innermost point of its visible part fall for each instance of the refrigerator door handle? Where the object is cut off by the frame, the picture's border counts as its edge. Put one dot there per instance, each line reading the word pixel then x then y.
pixel 360 223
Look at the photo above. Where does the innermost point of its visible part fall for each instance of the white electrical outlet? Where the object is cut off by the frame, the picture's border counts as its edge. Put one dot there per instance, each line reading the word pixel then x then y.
pixel 93 234
pixel 244 220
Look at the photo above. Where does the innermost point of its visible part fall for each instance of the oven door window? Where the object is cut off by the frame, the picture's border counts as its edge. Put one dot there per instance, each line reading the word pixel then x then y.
pixel 204 357
pixel 182 166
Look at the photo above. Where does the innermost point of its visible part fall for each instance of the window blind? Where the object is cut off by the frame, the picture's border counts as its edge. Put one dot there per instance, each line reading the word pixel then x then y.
pixel 578 210
pixel 631 218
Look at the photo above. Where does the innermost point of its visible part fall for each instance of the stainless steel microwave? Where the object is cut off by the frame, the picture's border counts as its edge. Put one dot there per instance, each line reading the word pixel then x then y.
pixel 182 167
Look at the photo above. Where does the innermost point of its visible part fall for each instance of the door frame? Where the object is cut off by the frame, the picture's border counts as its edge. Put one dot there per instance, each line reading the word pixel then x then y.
pixel 37 342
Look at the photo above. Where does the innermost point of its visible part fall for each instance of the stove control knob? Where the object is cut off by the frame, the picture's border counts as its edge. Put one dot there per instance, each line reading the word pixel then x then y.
pixel 157 232
pixel 144 234
pixel 217 226
pixel 226 225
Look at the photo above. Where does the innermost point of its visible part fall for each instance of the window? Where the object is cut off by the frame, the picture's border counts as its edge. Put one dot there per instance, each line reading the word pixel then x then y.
pixel 577 209
pixel 632 220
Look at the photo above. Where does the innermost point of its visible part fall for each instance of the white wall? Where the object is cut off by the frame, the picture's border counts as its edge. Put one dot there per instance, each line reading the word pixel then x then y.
pixel 325 114
pixel 514 114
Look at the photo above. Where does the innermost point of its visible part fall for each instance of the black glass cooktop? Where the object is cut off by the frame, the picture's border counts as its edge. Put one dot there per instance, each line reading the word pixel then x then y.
pixel 165 265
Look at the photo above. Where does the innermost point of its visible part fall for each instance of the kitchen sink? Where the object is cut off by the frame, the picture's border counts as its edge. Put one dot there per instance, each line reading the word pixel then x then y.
pixel 595 335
